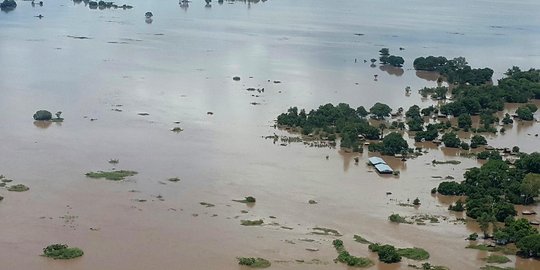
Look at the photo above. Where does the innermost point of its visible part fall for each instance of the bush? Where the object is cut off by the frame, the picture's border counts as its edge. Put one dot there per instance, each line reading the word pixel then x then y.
pixel 42 115
pixel 254 262
pixel 388 254
pixel 450 188
pixel 472 237
pixel 529 246
pixel 396 218
pixel 113 175
pixel 458 207
pixel 18 188
pixel 62 252
pixel 525 113
pixel 451 140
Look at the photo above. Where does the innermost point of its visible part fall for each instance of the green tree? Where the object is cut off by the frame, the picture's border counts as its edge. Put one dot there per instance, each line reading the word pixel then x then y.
pixel 525 113
pixel 388 254
pixel 465 121
pixel 529 246
pixel 362 112
pixel 530 187
pixel 478 140
pixel 396 61
pixel 451 140
pixel 393 143
pixel 507 120
pixel 380 110
pixel 483 221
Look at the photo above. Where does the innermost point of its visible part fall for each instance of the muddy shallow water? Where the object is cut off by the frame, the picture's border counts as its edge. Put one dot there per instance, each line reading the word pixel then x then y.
pixel 180 67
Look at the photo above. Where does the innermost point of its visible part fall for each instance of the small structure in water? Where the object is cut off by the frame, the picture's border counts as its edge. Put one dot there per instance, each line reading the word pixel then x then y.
pixel 380 165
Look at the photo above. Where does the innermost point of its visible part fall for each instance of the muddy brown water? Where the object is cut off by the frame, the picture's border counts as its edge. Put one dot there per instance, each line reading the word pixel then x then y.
pixel 179 68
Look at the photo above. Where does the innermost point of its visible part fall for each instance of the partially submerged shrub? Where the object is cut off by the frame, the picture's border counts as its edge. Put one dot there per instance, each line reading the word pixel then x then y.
pixel 248 199
pixel 345 257
pixel 42 115
pixel 254 262
pixel 18 188
pixel 251 222
pixel 112 175
pixel 62 252
pixel 396 218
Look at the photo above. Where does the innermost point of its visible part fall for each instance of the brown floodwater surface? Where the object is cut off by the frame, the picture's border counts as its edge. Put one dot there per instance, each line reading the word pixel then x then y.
pixel 179 68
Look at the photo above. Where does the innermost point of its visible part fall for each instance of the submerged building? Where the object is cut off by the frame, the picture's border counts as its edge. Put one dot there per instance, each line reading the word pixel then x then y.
pixel 380 165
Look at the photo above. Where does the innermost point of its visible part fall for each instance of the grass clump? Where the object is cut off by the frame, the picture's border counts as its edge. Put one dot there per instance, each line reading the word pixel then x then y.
pixel 414 253
pixel 251 222
pixel 497 259
pixel 112 175
pixel 508 250
pixel 492 267
pixel 18 188
pixel 254 262
pixel 361 239
pixel 62 252
pixel 345 257
pixel 207 204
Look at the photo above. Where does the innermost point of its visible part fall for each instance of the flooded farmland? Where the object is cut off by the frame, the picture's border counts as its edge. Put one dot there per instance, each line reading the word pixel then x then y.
pixel 123 81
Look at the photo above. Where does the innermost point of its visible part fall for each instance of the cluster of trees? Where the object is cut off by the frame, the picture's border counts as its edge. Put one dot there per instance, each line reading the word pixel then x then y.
pixel 438 93
pixel 492 191
pixel 392 144
pixel 393 60
pixel 518 86
pixel 386 253
pixel 456 71
pixel 526 112
pixel 330 120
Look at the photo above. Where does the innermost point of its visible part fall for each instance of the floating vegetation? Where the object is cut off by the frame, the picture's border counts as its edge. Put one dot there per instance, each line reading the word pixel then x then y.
pixel 18 188
pixel 345 257
pixel 312 202
pixel 493 267
pixel 257 222
pixel 361 239
pixel 177 129
pixel 325 231
pixel 508 250
pixel 112 175
pixel 254 262
pixel 439 162
pixel 396 218
pixel 174 179
pixel 494 258
pixel 207 204
pixel 414 253
pixel 114 161
pixel 248 199
pixel 428 266
pixel 62 252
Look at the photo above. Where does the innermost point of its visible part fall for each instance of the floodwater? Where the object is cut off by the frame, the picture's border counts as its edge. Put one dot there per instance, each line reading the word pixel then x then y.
pixel 102 68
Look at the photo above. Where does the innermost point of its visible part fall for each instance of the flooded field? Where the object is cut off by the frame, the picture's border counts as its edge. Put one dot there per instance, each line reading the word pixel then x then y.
pixel 123 82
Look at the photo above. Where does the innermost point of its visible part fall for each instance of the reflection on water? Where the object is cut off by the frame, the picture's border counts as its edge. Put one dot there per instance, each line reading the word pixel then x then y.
pixel 396 71
pixel 427 75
